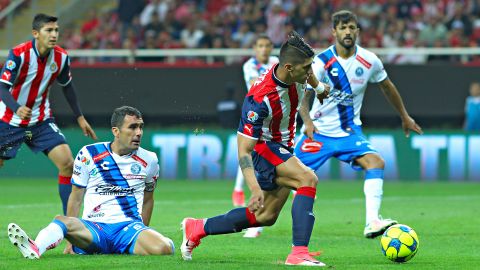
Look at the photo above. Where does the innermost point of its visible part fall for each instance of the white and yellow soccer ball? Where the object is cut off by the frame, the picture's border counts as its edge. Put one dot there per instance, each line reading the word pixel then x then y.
pixel 399 243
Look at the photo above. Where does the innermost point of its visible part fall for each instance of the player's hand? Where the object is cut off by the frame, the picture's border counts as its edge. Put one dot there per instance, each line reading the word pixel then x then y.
pixel 256 200
pixel 409 124
pixel 310 129
pixel 24 112
pixel 324 94
pixel 68 249
pixel 86 128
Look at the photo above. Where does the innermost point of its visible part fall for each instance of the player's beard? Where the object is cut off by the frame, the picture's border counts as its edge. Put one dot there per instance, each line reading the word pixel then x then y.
pixel 345 45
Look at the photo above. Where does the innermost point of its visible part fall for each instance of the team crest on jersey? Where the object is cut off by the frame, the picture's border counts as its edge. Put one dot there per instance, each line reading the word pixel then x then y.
pixel 252 116
pixel 359 71
pixel 10 65
pixel 53 67
pixel 135 168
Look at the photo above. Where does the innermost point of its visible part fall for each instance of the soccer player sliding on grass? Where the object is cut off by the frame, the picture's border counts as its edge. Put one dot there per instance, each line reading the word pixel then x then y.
pixel 116 181
pixel 265 140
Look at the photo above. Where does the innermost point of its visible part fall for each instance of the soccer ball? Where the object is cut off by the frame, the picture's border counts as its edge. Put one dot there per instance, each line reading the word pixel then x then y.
pixel 399 243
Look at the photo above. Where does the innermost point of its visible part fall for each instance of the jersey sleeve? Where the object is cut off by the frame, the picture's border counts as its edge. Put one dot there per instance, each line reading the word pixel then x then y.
pixel 378 73
pixel 251 120
pixel 81 174
pixel 65 75
pixel 152 174
pixel 249 73
pixel 10 68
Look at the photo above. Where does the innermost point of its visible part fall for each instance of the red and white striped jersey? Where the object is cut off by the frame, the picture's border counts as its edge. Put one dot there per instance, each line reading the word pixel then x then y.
pixel 31 77
pixel 269 111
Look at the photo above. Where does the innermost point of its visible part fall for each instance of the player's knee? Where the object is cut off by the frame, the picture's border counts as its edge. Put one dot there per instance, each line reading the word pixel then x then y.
pixel 66 166
pixel 267 219
pixel 308 179
pixel 163 247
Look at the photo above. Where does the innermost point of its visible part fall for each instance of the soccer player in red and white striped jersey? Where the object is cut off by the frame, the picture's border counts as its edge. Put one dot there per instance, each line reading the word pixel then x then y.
pixel 25 115
pixel 265 139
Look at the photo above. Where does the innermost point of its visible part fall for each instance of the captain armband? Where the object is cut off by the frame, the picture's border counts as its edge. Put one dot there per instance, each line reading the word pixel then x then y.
pixel 149 187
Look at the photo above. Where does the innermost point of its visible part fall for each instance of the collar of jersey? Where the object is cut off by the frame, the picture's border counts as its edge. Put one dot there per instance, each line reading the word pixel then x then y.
pixel 276 80
pixel 109 148
pixel 334 49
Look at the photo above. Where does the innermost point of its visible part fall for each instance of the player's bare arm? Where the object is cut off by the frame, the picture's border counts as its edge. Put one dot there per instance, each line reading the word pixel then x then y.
pixel 320 88
pixel 86 128
pixel 147 208
pixel 73 209
pixel 304 113
pixel 393 96
pixel 245 148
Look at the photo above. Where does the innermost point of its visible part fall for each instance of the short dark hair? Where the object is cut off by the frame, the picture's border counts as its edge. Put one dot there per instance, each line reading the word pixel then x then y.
pixel 295 50
pixel 344 16
pixel 41 19
pixel 119 115
pixel 262 36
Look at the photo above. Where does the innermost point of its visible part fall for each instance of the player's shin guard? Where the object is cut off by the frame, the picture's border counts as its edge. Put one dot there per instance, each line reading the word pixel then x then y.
pixel 373 189
pixel 64 189
pixel 302 216
pixel 234 221
pixel 51 236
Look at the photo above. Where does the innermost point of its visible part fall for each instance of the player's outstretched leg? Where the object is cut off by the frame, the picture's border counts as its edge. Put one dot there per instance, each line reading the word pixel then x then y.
pixel 253 232
pixel 24 244
pixel 193 231
pixel 238 196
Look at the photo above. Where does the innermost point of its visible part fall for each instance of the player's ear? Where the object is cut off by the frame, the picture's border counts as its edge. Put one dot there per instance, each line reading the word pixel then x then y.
pixel 35 33
pixel 115 131
pixel 288 67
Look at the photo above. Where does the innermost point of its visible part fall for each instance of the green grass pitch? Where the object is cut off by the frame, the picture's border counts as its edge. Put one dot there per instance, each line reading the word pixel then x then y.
pixel 446 217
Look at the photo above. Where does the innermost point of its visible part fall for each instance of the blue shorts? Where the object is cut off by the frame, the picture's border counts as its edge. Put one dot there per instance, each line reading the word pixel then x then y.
pixel 42 137
pixel 112 238
pixel 266 157
pixel 347 149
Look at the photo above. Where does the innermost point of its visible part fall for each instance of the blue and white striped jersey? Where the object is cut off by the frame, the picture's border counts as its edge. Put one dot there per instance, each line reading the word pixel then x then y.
pixel 340 113
pixel 252 69
pixel 114 184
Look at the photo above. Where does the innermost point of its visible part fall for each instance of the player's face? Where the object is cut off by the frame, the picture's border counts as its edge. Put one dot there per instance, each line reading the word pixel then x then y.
pixel 299 73
pixel 129 135
pixel 47 36
pixel 346 34
pixel 263 48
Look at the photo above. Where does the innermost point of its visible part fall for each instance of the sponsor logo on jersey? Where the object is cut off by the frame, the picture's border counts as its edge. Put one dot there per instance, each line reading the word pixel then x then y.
pixel 317 114
pixel 357 81
pixel 252 116
pixel 53 67
pixel 248 129
pixel 100 156
pixel 93 172
pixel 135 168
pixel 137 158
pixel 10 65
pixel 134 176
pixel 6 75
pixel 310 146
pixel 85 161
pixel 283 151
pixel 109 189
pixel 96 212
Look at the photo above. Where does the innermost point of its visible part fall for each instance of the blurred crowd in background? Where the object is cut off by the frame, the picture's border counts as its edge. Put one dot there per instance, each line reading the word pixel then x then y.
pixel 165 24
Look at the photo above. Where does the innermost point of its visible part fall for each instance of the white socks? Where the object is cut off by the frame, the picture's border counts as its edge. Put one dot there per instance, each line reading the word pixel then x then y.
pixel 239 180
pixel 373 189
pixel 49 237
